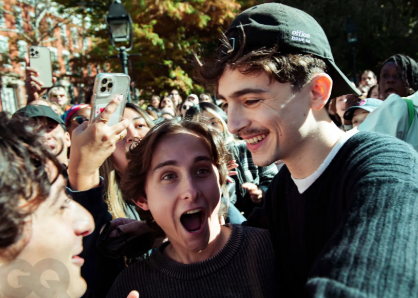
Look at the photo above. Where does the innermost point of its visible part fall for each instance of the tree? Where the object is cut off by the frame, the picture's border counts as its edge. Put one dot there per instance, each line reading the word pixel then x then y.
pixel 165 35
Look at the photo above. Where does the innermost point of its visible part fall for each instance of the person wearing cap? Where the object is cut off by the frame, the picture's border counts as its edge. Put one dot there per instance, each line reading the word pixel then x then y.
pixel 342 211
pixel 358 113
pixel 75 116
pixel 56 137
pixel 193 98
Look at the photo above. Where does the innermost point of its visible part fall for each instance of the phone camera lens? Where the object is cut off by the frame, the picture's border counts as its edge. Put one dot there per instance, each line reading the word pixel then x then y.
pixel 110 85
pixel 32 54
pixel 32 49
pixel 36 52
pixel 103 89
pixel 104 81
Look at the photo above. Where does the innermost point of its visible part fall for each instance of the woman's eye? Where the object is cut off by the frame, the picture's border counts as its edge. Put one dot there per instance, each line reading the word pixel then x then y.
pixel 169 177
pixel 202 172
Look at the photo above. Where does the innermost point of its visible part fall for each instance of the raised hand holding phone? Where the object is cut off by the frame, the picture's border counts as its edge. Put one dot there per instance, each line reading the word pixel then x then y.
pixel 106 87
pixel 92 144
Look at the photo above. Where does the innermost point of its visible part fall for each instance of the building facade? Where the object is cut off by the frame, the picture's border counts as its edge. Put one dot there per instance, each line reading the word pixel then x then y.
pixel 42 23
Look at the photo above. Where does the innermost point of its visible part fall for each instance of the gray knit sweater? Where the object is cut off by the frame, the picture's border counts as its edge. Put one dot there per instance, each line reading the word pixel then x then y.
pixel 243 268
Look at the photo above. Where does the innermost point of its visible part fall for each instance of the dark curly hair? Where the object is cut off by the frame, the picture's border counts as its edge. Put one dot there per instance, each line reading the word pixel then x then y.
pixel 296 69
pixel 23 176
pixel 409 71
pixel 140 158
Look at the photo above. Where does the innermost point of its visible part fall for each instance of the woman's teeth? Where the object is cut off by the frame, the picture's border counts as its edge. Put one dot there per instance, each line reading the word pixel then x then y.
pixel 193 211
pixel 256 139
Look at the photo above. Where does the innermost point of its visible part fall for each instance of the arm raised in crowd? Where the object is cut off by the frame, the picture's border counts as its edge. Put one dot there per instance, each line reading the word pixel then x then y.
pixel 91 145
pixel 33 86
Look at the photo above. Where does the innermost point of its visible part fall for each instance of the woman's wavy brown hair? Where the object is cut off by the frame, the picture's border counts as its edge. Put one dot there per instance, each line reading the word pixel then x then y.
pixel 23 177
pixel 140 157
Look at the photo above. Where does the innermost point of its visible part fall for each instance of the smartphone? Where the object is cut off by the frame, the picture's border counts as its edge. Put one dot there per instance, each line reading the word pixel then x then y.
pixel 106 87
pixel 40 60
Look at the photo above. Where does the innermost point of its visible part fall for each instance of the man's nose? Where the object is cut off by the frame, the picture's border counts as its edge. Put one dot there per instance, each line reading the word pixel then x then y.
pixel 189 189
pixel 131 134
pixel 83 221
pixel 236 119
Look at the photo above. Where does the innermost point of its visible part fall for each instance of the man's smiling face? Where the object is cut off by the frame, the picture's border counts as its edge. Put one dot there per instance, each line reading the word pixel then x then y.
pixel 270 116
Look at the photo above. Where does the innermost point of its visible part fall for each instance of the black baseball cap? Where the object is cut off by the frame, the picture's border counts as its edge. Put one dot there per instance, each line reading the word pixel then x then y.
pixel 32 111
pixel 292 31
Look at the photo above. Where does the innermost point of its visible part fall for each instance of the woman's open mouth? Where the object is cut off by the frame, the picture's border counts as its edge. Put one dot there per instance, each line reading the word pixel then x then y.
pixel 192 220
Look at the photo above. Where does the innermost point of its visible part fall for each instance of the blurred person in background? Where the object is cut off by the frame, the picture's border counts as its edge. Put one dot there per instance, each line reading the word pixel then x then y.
pixel 397 116
pixel 358 113
pixel 368 79
pixel 56 108
pixel 155 101
pixel 187 104
pixel 193 98
pixel 338 108
pixel 373 92
pixel 40 102
pixel 39 222
pixel 113 166
pixel 60 96
pixel 175 97
pixel 205 98
pixel 398 75
pixel 76 115
pixel 55 136
pixel 167 103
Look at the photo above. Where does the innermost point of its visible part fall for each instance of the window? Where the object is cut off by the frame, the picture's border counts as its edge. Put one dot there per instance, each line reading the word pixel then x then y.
pixel 54 59
pixel 2 20
pixel 4 51
pixel 18 19
pixel 74 36
pixel 66 56
pixel 22 48
pixel 8 99
pixel 86 44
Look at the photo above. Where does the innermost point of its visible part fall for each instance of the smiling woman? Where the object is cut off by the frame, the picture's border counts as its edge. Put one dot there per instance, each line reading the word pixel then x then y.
pixel 180 186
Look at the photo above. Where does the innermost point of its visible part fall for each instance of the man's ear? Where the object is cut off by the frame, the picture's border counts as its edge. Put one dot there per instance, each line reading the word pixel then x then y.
pixel 68 139
pixel 142 203
pixel 321 90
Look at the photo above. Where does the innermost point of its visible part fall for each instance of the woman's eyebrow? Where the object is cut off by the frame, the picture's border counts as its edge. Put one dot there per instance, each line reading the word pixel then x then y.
pixel 202 158
pixel 164 164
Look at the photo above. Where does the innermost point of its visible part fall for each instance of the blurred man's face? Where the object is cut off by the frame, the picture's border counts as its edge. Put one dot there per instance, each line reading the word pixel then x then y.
pixel 59 96
pixel 367 79
pixel 155 102
pixel 175 97
pixel 57 140
pixel 205 98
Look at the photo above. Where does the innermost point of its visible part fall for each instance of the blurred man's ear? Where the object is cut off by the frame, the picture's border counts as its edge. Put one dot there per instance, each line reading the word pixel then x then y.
pixel 67 139
pixel 142 203
pixel 321 85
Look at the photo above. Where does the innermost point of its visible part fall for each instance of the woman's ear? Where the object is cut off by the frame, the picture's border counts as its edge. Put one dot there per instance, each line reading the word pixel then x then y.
pixel 321 90
pixel 142 203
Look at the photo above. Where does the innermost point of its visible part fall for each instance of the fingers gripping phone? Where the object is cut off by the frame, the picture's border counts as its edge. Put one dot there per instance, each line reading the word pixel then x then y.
pixel 40 60
pixel 108 86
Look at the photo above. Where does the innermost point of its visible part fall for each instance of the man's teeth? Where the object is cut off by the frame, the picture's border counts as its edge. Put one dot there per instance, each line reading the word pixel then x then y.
pixel 193 211
pixel 256 139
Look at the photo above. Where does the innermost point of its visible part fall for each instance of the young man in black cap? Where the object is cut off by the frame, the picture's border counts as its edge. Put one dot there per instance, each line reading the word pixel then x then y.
pixel 342 212
pixel 56 137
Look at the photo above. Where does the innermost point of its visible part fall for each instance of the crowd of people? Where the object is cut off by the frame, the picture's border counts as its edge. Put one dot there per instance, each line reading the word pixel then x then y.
pixel 287 181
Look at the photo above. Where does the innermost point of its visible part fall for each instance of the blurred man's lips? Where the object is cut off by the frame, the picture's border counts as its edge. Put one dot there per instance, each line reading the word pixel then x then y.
pixel 78 261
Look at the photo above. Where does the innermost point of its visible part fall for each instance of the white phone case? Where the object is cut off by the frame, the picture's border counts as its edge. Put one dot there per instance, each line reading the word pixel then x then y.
pixel 106 87
pixel 40 60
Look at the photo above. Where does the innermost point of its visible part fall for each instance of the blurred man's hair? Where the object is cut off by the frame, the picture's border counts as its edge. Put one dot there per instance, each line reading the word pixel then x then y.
pixel 24 182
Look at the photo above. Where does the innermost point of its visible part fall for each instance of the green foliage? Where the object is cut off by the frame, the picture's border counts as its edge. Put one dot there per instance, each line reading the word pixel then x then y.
pixel 167 32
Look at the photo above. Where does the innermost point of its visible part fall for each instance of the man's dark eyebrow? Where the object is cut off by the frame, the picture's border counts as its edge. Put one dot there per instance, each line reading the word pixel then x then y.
pixel 242 92
pixel 164 164
pixel 139 117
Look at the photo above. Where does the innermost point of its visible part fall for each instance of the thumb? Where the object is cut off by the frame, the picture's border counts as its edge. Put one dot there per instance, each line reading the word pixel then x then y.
pixel 247 185
pixel 133 294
